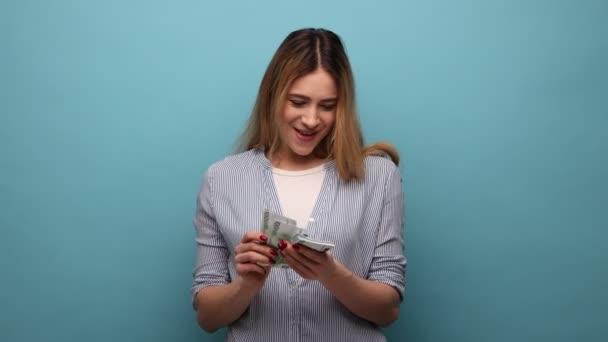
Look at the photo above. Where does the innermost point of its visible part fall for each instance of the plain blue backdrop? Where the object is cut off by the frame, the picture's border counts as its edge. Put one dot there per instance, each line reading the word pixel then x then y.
pixel 111 111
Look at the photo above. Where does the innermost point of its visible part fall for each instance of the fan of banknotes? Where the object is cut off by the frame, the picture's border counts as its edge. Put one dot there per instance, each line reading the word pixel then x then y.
pixel 278 228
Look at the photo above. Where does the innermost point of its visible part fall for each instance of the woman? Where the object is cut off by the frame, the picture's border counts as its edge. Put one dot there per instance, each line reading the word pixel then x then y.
pixel 302 157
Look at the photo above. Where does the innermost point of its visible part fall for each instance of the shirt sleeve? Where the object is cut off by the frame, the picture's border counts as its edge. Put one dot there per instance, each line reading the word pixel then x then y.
pixel 389 262
pixel 211 268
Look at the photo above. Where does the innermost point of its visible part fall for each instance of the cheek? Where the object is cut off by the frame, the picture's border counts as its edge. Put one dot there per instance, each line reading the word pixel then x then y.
pixel 290 114
pixel 329 120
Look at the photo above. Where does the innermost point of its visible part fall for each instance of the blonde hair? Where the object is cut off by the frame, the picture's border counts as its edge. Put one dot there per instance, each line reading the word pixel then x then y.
pixel 302 52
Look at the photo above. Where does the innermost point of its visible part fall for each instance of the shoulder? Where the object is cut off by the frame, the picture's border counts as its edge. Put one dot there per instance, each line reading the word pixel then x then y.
pixel 379 167
pixel 381 173
pixel 238 164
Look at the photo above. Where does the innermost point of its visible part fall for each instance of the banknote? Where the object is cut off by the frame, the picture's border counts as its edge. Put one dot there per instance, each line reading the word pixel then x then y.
pixel 277 228
pixel 320 246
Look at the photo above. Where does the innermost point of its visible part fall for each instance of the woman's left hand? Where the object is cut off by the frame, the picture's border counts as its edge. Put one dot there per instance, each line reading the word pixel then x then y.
pixel 308 263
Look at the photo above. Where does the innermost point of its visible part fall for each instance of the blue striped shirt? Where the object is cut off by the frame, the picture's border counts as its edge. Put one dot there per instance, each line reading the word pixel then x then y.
pixel 364 219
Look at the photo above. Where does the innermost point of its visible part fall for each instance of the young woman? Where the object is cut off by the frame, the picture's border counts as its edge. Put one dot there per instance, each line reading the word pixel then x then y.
pixel 302 157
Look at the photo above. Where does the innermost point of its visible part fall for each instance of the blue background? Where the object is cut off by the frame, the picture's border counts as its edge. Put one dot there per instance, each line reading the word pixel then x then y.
pixel 112 110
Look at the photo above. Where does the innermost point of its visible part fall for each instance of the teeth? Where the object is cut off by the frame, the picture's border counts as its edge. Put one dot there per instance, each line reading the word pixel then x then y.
pixel 306 133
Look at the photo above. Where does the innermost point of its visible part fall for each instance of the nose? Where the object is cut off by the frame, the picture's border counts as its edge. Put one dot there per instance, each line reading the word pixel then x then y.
pixel 310 118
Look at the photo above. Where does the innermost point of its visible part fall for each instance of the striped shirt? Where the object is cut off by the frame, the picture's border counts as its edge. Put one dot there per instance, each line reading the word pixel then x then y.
pixel 364 219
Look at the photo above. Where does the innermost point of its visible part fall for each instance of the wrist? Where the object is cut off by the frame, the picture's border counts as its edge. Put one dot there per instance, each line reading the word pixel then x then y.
pixel 339 275
pixel 247 285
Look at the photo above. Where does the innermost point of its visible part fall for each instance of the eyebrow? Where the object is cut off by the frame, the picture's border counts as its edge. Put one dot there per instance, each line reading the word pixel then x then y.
pixel 304 97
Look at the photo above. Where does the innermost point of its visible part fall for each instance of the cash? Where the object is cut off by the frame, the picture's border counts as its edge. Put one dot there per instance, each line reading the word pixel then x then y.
pixel 278 228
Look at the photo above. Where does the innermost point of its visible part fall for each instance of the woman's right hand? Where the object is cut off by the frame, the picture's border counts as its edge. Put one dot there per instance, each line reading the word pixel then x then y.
pixel 252 252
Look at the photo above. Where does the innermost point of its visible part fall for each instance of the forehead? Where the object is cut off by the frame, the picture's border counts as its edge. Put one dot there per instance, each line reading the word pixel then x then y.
pixel 316 85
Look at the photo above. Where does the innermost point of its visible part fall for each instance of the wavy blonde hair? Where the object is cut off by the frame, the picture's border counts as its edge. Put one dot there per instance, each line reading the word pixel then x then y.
pixel 302 52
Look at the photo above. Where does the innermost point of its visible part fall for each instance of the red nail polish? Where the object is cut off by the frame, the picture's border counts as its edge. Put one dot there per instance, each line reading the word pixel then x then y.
pixel 296 246
pixel 282 244
pixel 273 252
pixel 263 238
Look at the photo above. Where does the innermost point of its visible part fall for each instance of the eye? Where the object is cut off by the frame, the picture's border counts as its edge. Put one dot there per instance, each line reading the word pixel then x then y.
pixel 328 108
pixel 297 103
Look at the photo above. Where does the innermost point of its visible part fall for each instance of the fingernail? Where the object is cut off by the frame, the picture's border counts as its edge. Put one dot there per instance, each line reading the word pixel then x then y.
pixel 273 252
pixel 263 238
pixel 296 246
pixel 271 261
pixel 282 244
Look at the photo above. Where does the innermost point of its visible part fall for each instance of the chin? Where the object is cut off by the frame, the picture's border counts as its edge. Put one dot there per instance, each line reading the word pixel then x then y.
pixel 303 151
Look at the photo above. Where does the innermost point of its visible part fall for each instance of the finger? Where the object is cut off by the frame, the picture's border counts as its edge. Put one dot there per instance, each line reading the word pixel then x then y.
pixel 254 237
pixel 311 254
pixel 299 268
pixel 294 259
pixel 252 257
pixel 302 258
pixel 251 268
pixel 256 247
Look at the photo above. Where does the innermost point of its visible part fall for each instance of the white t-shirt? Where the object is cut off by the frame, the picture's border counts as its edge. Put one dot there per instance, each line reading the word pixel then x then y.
pixel 298 191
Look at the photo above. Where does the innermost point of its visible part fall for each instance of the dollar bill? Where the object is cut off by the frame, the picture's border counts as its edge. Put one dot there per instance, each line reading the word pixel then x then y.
pixel 278 228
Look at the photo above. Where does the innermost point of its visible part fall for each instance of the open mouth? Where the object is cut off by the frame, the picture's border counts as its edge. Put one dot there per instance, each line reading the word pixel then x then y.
pixel 305 135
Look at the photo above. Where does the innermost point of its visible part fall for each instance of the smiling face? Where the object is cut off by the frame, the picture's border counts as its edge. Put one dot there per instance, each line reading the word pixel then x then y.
pixel 308 116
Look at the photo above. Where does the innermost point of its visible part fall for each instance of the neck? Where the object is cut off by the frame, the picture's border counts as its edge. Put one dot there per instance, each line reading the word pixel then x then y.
pixel 293 162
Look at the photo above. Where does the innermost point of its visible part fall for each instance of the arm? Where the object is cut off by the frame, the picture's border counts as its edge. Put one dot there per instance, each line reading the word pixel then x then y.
pixel 218 300
pixel 218 306
pixel 377 297
pixel 212 308
pixel 374 301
